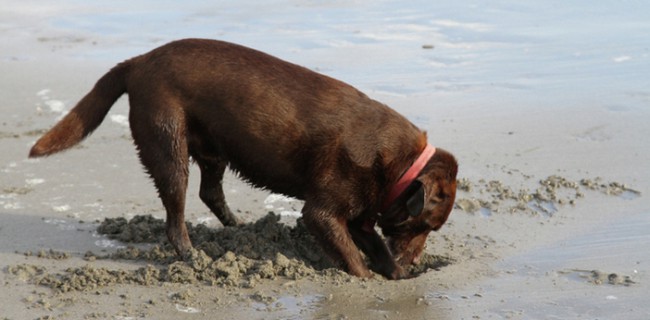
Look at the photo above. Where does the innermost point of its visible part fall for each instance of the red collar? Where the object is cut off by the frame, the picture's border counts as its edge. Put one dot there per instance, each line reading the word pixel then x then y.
pixel 408 176
pixel 401 185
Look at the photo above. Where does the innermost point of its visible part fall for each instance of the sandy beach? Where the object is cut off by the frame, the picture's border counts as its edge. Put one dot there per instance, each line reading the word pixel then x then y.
pixel 546 108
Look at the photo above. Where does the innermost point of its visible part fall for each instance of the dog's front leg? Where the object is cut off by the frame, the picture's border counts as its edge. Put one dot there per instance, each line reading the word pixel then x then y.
pixel 369 241
pixel 332 232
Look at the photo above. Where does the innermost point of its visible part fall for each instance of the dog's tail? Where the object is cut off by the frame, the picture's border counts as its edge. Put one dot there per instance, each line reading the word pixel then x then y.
pixel 86 116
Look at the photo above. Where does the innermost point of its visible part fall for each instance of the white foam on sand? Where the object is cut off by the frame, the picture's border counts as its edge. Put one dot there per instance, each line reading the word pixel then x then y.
pixel 277 202
pixel 103 242
pixel 43 93
pixel 204 220
pixel 471 26
pixel 620 59
pixel 56 106
pixel 187 309
pixel 106 243
pixel 61 208
pixel 120 119
pixel 35 181
pixel 60 224
pixel 10 205
pixel 291 214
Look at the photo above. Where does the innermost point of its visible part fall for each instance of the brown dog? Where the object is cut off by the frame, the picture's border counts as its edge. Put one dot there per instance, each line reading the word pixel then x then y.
pixel 283 128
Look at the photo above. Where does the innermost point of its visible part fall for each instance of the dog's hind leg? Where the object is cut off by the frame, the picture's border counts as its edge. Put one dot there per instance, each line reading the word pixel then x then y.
pixel 211 192
pixel 160 136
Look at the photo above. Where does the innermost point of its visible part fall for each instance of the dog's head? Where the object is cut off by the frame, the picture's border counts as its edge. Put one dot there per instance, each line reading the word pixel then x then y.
pixel 423 207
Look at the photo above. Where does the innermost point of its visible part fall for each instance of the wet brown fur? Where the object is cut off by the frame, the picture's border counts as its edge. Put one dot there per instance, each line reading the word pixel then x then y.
pixel 280 126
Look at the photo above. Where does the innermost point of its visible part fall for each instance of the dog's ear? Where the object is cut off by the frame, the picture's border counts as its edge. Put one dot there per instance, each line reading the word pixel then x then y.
pixel 415 201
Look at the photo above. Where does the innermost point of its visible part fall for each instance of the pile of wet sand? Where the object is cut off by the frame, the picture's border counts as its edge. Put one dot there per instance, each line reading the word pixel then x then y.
pixel 240 256
pixel 545 198
pixel 246 255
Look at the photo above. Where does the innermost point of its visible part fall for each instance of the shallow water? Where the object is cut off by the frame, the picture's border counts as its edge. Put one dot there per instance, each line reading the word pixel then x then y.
pixel 498 52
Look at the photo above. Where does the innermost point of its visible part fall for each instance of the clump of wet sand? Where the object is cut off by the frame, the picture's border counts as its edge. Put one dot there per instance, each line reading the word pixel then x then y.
pixel 49 254
pixel 247 255
pixel 494 196
pixel 241 257
pixel 259 240
pixel 599 277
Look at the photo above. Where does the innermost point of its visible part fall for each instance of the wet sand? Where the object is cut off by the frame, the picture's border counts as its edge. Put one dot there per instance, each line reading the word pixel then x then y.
pixel 550 220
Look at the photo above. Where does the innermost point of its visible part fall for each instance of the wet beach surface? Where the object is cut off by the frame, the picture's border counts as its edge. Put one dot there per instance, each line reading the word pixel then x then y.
pixel 545 105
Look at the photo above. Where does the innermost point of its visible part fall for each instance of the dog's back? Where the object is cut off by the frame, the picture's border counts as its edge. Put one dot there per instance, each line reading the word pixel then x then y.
pixel 279 124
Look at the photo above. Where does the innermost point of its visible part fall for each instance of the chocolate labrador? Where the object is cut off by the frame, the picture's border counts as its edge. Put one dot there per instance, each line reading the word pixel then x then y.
pixel 354 161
